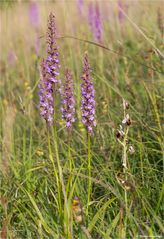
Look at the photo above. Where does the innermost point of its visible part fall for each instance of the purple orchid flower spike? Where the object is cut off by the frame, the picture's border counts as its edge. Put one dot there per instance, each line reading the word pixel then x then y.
pixel 49 74
pixel 52 51
pixel 68 103
pixel 88 97
pixel 46 95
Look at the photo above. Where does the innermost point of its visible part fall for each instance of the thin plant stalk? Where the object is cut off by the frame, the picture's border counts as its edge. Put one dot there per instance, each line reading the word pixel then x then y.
pixel 89 175
pixel 125 173
pixel 71 164
pixel 61 180
pixel 66 209
pixel 69 185
pixel 69 158
pixel 124 159
pixel 54 168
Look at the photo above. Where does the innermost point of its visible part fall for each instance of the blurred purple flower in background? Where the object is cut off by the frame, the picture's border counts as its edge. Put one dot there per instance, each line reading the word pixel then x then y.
pixel 91 16
pixel 120 13
pixel 49 74
pixel 95 22
pixel 11 57
pixel 98 24
pixel 88 97
pixel 34 14
pixel 80 4
pixel 68 102
pixel 34 19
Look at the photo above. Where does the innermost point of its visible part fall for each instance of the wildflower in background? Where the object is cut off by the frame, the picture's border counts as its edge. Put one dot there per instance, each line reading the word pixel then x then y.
pixel 131 149
pixel 77 210
pixel 126 120
pixel 12 58
pixel 68 108
pixel 125 105
pixel 34 14
pixel 28 90
pixel 120 133
pixel 35 22
pixel 91 16
pixel 88 97
pixel 39 152
pixel 46 95
pixel 127 185
pixel 80 4
pixel 95 23
pixel 120 13
pixel 98 24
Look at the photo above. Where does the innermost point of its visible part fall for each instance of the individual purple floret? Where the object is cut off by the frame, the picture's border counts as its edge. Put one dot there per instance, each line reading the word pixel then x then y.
pixel 52 51
pixel 46 95
pixel 68 108
pixel 88 97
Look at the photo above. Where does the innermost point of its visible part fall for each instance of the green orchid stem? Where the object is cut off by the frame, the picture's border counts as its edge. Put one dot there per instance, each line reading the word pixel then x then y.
pixel 62 186
pixel 69 158
pixel 55 171
pixel 89 176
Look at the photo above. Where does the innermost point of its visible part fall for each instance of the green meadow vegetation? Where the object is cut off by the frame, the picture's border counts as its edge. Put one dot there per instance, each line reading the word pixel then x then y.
pixel 57 183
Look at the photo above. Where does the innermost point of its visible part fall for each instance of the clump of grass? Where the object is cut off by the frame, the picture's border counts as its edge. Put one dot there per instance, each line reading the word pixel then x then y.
pixel 7 137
